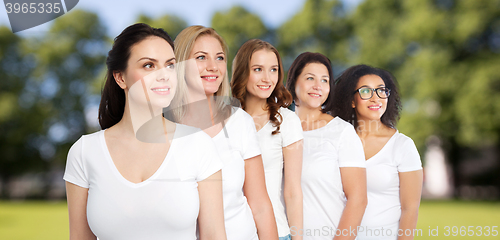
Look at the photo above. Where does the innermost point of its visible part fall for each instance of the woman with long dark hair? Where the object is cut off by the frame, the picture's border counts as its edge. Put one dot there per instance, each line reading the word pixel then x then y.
pixel 333 169
pixel 368 98
pixel 154 186
pixel 257 83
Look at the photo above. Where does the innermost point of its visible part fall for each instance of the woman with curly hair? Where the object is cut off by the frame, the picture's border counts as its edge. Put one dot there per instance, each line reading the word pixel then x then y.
pixel 368 98
pixel 257 83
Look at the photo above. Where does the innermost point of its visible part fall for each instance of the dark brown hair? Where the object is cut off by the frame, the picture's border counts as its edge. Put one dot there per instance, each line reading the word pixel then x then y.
pixel 280 97
pixel 112 103
pixel 345 87
pixel 298 66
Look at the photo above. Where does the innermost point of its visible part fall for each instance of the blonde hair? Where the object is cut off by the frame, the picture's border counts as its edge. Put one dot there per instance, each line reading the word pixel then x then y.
pixel 184 43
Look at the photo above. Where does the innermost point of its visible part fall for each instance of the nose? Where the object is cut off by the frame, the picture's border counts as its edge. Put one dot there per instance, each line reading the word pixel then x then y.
pixel 162 75
pixel 265 77
pixel 211 65
pixel 317 85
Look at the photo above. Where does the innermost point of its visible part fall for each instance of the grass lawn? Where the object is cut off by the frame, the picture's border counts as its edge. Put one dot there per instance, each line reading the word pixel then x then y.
pixel 49 220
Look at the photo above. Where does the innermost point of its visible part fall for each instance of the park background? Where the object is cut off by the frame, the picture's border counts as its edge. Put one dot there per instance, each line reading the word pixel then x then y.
pixel 444 53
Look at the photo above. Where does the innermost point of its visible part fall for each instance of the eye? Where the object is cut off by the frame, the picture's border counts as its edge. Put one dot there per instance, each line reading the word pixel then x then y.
pixel 324 80
pixel 364 90
pixel 220 58
pixel 310 78
pixel 148 65
pixel 257 69
pixel 171 65
pixel 201 57
pixel 274 69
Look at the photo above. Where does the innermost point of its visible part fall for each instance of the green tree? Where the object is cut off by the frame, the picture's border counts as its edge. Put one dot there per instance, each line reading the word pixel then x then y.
pixel 237 26
pixel 47 90
pixel 173 25
pixel 445 55
pixel 18 111
pixel 320 26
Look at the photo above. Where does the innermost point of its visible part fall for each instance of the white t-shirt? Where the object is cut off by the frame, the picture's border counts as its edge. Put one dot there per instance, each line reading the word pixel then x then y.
pixel 165 206
pixel 326 150
pixel 399 154
pixel 239 144
pixel 272 156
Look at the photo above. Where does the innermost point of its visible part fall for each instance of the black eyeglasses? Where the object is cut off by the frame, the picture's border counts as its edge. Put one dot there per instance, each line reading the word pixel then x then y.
pixel 366 93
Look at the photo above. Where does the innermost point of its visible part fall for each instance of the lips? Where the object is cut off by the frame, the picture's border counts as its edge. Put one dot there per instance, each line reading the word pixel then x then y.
pixel 210 78
pixel 164 90
pixel 315 95
pixel 264 87
pixel 375 107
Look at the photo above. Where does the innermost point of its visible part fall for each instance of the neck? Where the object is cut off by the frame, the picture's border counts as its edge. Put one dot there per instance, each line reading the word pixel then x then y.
pixel 134 117
pixel 255 106
pixel 370 126
pixel 200 106
pixel 308 115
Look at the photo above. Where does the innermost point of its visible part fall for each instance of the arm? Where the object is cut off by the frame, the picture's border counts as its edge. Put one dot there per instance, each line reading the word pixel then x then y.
pixel 77 208
pixel 211 217
pixel 354 184
pixel 410 190
pixel 260 204
pixel 292 192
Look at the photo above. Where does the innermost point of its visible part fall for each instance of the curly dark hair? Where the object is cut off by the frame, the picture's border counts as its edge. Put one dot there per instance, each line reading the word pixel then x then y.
pixel 298 66
pixel 345 86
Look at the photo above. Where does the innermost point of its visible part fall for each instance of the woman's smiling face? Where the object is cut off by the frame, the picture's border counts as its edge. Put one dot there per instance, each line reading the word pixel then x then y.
pixel 211 65
pixel 373 108
pixel 312 86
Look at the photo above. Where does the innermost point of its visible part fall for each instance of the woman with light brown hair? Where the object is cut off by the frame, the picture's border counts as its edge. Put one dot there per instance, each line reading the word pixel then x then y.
pixel 257 83
pixel 201 54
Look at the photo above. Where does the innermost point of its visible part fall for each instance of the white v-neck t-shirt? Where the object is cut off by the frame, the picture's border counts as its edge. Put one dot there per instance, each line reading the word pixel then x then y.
pixel 272 157
pixel 238 145
pixel 399 154
pixel 326 150
pixel 165 206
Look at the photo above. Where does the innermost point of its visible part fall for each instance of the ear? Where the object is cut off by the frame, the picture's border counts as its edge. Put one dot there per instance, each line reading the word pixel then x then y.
pixel 353 105
pixel 120 80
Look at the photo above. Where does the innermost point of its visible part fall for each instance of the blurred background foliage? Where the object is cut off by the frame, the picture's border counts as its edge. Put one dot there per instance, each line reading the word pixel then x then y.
pixel 444 53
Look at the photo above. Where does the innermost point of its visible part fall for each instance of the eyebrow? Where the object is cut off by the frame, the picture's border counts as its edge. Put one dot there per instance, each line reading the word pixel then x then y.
pixel 325 76
pixel 258 65
pixel 154 60
pixel 147 58
pixel 380 85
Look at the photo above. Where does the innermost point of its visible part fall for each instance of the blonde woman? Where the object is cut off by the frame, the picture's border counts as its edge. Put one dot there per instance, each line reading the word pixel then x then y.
pixel 257 83
pixel 247 209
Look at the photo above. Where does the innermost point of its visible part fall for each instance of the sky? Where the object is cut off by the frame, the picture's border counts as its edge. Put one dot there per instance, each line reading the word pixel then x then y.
pixel 118 14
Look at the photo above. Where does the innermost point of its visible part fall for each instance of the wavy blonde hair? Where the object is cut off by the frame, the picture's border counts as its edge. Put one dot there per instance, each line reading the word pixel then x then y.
pixel 184 43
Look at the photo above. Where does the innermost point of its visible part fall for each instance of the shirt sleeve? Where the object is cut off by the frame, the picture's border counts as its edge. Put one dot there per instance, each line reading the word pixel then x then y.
pixel 250 145
pixel 410 159
pixel 351 153
pixel 210 162
pixel 291 129
pixel 75 170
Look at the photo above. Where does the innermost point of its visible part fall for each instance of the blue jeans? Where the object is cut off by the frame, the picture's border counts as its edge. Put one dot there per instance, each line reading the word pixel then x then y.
pixel 287 237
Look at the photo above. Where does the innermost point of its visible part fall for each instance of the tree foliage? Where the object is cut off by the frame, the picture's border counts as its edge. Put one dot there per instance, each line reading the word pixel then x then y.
pixel 444 53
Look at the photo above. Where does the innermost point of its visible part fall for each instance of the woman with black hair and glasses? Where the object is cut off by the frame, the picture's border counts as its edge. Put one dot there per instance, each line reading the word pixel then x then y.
pixel 367 97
